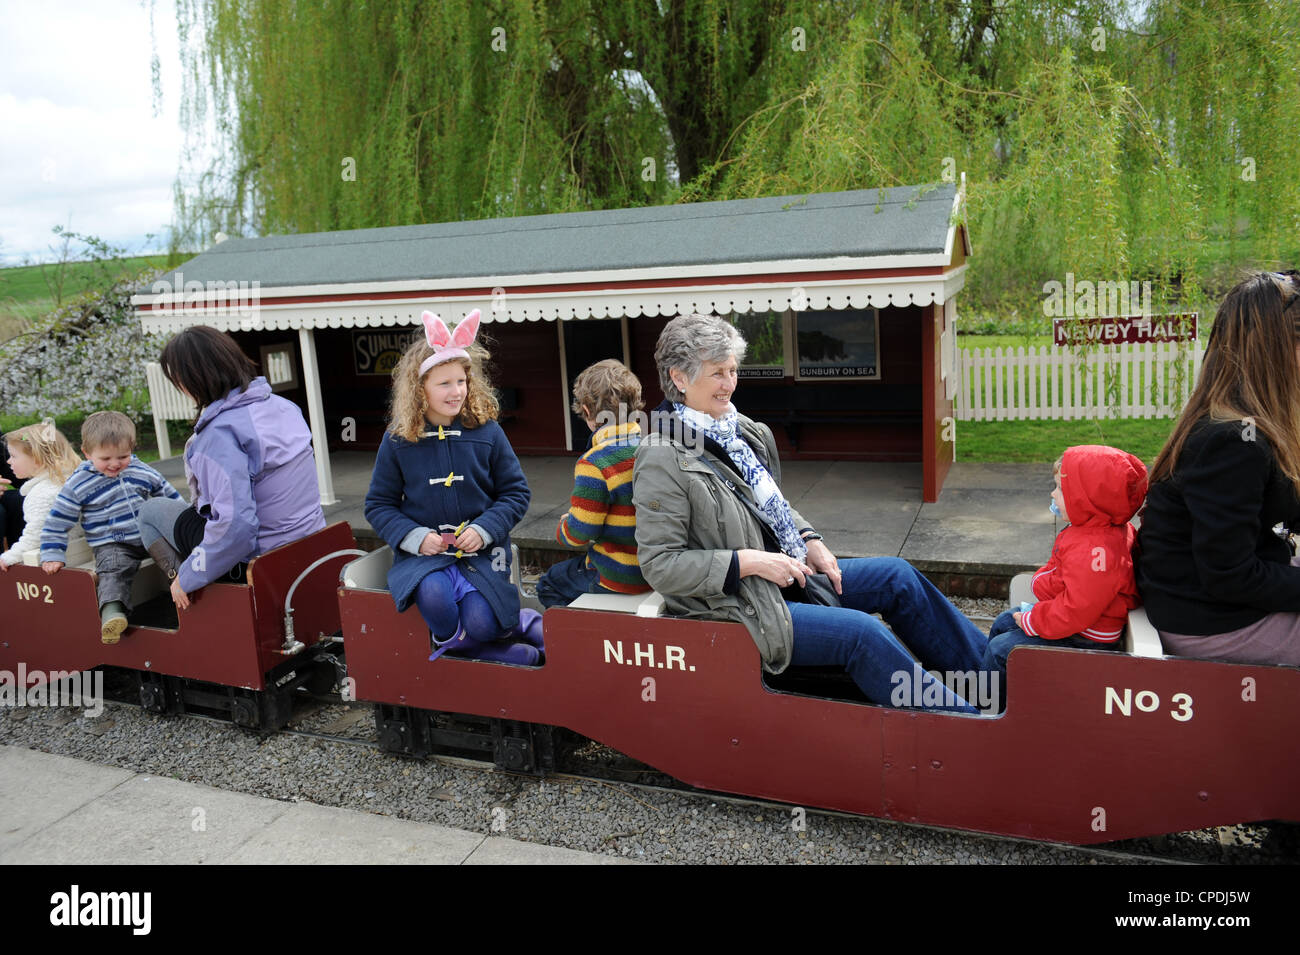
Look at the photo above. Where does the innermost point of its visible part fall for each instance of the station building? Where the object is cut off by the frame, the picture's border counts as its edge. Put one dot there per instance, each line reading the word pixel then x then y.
pixel 847 302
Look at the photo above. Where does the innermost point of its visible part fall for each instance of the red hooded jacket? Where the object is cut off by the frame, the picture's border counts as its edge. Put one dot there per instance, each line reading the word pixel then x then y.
pixel 1087 588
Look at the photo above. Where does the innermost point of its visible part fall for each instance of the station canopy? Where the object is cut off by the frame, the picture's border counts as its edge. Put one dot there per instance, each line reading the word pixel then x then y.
pixel 873 247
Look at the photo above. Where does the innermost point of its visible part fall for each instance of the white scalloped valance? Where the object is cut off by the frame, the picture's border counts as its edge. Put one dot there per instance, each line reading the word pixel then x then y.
pixel 563 306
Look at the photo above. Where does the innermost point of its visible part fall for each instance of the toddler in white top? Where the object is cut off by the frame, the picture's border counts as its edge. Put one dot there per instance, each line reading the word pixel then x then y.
pixel 43 456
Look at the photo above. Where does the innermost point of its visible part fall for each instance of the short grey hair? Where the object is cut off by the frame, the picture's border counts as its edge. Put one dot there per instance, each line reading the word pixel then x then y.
pixel 688 341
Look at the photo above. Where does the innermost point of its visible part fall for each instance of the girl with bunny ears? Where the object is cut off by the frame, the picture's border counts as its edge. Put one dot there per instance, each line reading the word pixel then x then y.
pixel 445 493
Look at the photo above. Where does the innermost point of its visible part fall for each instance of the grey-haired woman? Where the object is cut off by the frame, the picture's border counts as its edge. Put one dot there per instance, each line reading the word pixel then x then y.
pixel 712 555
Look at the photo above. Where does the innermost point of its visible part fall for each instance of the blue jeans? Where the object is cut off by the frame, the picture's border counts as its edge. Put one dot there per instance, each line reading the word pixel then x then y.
pixel 157 519
pixel 566 581
pixel 1004 636
pixel 936 631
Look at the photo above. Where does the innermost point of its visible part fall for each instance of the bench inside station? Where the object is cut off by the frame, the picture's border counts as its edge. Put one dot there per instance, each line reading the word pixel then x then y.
pixel 838 403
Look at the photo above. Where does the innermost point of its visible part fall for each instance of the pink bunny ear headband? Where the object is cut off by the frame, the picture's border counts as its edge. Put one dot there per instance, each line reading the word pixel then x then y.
pixel 448 345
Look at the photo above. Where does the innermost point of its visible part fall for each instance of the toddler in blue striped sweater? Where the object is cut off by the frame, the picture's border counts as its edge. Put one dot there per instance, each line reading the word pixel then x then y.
pixel 104 494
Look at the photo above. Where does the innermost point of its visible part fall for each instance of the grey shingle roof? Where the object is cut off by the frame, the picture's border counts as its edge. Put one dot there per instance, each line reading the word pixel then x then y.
pixel 870 222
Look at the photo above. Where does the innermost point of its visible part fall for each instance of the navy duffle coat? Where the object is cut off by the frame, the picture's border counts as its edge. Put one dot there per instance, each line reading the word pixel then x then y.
pixel 410 489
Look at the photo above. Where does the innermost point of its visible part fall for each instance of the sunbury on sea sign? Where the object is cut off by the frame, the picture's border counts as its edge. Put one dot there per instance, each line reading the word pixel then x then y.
pixel 1125 329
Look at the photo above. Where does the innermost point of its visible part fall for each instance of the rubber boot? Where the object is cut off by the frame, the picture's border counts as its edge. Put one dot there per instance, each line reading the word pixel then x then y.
pixel 529 629
pixel 505 651
pixel 112 621
pixel 165 556
pixel 500 650
pixel 457 643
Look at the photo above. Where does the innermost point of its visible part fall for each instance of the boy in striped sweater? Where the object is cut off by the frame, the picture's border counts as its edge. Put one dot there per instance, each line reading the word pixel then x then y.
pixel 601 516
pixel 104 494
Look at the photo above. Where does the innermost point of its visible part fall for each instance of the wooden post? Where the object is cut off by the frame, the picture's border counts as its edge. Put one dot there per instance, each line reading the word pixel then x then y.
pixel 936 409
pixel 316 415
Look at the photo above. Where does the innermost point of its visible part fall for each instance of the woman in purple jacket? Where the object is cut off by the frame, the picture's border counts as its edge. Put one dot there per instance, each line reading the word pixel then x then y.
pixel 249 465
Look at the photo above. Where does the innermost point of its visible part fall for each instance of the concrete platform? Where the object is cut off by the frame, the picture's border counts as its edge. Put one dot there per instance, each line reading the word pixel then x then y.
pixel 991 519
pixel 59 811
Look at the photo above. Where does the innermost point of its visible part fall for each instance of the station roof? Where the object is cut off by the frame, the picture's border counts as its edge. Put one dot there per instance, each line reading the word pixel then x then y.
pixel 719 256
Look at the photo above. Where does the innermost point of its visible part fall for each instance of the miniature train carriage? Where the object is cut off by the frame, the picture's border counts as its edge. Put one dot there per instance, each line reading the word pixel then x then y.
pixel 227 652
pixel 1094 746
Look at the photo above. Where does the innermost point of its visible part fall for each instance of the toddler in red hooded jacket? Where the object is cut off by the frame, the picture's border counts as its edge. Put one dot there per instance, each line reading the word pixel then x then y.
pixel 1086 590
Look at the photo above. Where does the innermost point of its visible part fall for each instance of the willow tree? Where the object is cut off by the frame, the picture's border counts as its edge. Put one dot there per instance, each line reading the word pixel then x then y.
pixel 346 115
pixel 1101 137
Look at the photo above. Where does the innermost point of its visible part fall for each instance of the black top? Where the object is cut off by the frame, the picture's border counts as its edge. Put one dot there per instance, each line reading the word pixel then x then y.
pixel 1210 561
pixel 5 470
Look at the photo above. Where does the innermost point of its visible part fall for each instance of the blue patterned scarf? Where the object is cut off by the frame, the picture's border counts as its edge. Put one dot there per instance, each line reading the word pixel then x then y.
pixel 767 495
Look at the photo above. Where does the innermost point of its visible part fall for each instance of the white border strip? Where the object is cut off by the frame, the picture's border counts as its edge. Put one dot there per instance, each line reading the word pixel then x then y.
pixel 564 306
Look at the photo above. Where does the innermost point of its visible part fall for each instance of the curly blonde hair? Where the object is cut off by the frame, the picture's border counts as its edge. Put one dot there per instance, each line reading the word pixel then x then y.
pixel 46 446
pixel 406 410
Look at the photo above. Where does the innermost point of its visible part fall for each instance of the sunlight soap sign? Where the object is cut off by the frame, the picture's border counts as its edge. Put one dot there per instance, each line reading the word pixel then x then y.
pixel 377 352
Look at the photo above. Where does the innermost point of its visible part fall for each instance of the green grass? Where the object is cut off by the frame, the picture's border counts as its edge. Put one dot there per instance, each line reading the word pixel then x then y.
pixel 1045 440
pixel 25 295
pixel 27 283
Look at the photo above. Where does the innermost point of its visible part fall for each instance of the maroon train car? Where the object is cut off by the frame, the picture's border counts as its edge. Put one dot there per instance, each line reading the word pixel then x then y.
pixel 1093 746
pixel 225 650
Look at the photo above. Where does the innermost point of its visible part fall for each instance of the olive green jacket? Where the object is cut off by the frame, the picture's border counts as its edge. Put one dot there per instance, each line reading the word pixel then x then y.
pixel 688 524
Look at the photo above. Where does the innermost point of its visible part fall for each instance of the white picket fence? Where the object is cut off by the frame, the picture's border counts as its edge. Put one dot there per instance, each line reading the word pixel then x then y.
pixel 1036 383
pixel 168 405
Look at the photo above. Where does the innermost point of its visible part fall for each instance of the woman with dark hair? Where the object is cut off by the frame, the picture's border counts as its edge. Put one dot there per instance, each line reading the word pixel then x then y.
pixel 249 466
pixel 1217 579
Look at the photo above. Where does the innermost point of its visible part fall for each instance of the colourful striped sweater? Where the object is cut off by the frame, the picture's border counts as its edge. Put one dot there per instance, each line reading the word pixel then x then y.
pixel 105 507
pixel 601 515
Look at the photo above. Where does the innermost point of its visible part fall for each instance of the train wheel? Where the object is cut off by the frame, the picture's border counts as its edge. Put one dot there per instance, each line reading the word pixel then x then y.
pixel 402 730
pixel 523 747
pixel 155 695
pixel 243 712
pixel 153 698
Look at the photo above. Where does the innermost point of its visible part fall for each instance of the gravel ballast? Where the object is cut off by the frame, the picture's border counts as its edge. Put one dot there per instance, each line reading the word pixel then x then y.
pixel 612 818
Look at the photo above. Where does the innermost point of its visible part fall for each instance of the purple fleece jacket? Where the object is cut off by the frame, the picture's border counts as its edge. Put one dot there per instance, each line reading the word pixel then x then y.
pixel 251 462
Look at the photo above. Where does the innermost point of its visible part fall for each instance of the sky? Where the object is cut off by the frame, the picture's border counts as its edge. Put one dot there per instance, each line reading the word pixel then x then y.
pixel 80 144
